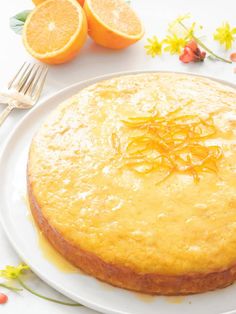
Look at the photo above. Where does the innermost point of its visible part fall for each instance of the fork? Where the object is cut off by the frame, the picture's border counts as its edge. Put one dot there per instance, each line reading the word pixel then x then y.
pixel 24 88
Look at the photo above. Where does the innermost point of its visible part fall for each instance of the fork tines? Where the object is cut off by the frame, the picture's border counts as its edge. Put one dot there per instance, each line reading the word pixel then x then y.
pixel 29 80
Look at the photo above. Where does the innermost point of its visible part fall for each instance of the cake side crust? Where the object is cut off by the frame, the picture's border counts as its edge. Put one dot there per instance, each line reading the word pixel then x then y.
pixel 122 276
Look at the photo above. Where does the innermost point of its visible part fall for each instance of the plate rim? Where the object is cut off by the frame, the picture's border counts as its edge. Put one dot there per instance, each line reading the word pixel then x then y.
pixel 21 122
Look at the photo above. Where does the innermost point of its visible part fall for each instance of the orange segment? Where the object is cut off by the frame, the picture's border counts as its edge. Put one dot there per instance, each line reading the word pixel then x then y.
pixel 113 23
pixel 55 31
pixel 37 2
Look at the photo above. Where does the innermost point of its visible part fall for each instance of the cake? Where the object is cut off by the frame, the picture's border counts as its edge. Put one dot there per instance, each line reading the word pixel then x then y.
pixel 133 181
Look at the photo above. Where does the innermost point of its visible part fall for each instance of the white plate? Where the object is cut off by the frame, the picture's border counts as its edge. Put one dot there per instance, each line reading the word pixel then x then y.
pixel 77 286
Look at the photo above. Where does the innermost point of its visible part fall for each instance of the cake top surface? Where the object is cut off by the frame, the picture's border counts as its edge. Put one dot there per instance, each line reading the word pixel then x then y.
pixel 140 170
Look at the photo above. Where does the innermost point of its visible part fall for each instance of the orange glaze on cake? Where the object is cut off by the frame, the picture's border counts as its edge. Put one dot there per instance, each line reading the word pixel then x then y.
pixel 151 211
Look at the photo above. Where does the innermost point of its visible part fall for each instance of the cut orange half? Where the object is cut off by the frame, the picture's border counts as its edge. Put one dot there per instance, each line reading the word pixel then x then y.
pixel 55 31
pixel 37 2
pixel 113 23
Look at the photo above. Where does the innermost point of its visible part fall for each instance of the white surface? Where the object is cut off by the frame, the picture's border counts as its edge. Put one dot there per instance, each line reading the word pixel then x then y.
pixel 94 61
pixel 77 286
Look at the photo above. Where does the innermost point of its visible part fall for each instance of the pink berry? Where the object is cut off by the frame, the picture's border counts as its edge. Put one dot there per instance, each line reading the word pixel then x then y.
pixel 233 57
pixel 3 298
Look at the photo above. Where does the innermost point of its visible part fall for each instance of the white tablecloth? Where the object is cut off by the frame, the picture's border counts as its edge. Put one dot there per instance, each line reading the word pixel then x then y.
pixel 93 61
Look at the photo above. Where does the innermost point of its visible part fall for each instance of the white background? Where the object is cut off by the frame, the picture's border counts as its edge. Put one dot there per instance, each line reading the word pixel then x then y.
pixel 93 61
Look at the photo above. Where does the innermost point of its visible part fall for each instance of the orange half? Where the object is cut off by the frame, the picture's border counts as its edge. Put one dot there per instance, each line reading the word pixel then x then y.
pixel 37 2
pixel 112 23
pixel 55 31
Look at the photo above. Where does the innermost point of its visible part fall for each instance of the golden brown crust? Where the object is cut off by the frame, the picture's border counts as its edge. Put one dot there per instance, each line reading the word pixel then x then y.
pixel 125 277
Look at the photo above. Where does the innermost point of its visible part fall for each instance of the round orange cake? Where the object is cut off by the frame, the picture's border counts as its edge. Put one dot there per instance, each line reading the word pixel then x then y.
pixel 133 180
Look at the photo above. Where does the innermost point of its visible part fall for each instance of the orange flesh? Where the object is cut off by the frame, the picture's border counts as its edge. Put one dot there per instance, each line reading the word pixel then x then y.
pixel 37 2
pixel 53 31
pixel 117 15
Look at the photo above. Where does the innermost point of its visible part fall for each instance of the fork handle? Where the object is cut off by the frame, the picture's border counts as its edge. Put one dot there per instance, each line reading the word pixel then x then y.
pixel 4 114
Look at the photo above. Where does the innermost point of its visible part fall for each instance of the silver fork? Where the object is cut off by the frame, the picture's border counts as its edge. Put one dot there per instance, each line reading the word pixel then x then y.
pixel 24 89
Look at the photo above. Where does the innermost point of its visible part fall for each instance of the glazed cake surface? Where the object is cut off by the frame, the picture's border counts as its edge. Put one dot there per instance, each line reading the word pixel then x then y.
pixel 133 180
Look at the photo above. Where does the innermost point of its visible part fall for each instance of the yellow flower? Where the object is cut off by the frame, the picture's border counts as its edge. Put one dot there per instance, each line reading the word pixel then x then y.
pixel 13 272
pixel 154 47
pixel 225 35
pixel 174 44
pixel 175 27
pixel 182 28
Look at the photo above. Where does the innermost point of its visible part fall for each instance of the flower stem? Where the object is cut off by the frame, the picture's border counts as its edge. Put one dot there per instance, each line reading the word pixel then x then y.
pixel 44 297
pixel 10 288
pixel 209 50
pixel 204 46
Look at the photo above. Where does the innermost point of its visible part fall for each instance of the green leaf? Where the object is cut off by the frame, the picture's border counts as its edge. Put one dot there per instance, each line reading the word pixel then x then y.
pixel 17 22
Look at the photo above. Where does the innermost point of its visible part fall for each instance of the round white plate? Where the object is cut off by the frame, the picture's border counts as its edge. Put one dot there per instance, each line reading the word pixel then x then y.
pixel 79 287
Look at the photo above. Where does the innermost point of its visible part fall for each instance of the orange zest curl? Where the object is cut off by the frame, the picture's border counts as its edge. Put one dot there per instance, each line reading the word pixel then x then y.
pixel 115 142
pixel 171 144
